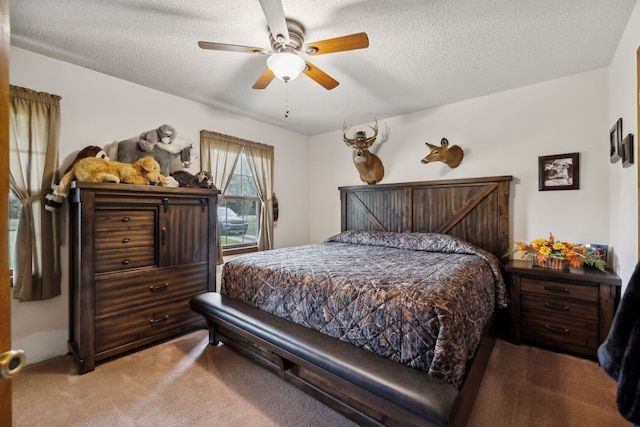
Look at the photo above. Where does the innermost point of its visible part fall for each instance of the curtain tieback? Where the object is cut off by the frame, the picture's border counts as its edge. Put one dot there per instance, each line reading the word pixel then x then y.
pixel 28 200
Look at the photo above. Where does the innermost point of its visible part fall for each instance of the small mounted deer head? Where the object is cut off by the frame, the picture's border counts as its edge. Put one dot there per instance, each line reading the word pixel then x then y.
pixel 452 156
pixel 368 164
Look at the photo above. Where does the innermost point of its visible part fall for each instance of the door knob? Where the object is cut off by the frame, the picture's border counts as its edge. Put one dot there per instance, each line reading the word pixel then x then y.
pixel 11 362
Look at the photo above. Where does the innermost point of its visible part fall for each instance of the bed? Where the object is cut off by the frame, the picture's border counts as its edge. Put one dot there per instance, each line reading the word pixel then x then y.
pixel 390 321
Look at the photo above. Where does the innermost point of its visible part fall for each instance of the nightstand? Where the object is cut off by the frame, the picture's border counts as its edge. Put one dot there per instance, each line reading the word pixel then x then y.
pixel 570 310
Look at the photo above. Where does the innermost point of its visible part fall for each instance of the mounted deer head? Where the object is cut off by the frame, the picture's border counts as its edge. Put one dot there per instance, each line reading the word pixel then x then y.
pixel 368 164
pixel 451 156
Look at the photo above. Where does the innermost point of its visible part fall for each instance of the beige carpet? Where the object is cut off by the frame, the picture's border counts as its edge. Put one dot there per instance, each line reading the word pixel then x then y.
pixel 186 382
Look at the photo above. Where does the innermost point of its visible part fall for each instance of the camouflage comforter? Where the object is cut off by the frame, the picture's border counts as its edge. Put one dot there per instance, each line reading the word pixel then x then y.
pixel 420 299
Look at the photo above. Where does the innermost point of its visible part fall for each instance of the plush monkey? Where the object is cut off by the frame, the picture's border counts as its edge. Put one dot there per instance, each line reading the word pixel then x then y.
pixel 165 134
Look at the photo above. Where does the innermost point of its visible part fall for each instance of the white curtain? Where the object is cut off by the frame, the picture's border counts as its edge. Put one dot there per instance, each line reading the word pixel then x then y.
pixel 260 159
pixel 219 154
pixel 34 128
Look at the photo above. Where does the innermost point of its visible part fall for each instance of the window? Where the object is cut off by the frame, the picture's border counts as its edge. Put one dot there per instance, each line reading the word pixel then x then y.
pixel 14 218
pixel 34 124
pixel 239 211
pixel 243 171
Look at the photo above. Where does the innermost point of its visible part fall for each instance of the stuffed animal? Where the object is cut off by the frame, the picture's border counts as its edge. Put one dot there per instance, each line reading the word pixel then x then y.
pixel 200 180
pixel 53 201
pixel 165 134
pixel 171 157
pixel 145 171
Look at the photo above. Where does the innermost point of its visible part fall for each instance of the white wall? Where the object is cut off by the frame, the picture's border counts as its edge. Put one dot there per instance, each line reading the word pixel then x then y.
pixel 98 109
pixel 501 134
pixel 623 203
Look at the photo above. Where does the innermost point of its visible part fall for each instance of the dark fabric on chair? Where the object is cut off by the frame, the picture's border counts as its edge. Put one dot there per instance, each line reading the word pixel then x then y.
pixel 619 355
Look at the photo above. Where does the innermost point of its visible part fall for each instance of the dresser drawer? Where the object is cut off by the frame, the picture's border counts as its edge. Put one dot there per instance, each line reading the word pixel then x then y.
pixel 125 239
pixel 118 219
pixel 559 331
pixel 123 329
pixel 118 293
pixel 564 306
pixel 559 289
pixel 122 259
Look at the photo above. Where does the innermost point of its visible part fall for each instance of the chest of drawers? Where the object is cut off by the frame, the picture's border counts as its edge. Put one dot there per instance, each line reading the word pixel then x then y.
pixel 138 254
pixel 570 310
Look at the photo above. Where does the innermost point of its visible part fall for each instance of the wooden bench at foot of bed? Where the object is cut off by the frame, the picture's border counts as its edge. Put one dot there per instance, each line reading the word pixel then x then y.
pixel 362 385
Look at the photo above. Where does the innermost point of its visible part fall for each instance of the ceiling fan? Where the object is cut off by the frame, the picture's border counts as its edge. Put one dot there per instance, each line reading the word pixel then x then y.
pixel 287 43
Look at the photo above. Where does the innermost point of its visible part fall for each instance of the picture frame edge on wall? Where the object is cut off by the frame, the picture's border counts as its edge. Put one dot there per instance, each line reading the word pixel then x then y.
pixel 543 161
pixel 627 151
pixel 615 141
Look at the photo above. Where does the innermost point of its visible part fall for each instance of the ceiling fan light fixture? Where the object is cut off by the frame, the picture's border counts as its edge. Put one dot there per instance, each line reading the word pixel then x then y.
pixel 286 65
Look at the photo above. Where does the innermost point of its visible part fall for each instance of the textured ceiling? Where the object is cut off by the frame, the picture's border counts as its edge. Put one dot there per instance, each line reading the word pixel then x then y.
pixel 422 53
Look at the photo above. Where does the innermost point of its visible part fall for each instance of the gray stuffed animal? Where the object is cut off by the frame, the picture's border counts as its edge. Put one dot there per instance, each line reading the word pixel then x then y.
pixel 202 179
pixel 171 157
pixel 165 134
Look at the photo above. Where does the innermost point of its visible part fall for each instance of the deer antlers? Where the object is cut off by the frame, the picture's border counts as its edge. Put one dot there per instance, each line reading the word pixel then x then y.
pixel 360 136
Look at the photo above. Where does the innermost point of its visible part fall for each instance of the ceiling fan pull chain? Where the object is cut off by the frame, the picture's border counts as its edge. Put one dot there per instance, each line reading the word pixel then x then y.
pixel 286 104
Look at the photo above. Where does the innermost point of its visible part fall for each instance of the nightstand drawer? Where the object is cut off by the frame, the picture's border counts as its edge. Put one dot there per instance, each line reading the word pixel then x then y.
pixel 559 331
pixel 564 306
pixel 559 289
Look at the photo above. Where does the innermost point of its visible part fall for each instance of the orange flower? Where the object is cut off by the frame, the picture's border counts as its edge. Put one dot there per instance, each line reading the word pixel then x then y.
pixel 542 249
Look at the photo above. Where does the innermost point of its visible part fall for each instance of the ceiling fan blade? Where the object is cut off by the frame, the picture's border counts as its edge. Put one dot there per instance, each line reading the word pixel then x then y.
pixel 339 44
pixel 322 78
pixel 264 80
pixel 276 20
pixel 232 48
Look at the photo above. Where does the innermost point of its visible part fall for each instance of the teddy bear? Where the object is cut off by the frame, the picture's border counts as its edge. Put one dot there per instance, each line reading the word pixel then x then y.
pixel 165 134
pixel 53 201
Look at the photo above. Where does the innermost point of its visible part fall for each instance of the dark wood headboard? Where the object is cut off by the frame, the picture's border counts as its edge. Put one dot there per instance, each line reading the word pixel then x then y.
pixel 473 209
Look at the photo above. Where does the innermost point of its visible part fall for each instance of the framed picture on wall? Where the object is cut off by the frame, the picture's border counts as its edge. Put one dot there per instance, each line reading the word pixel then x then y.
pixel 559 172
pixel 598 249
pixel 615 141
pixel 627 151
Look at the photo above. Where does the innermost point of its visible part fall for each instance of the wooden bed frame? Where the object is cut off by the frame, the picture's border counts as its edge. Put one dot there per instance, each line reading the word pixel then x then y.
pixel 363 386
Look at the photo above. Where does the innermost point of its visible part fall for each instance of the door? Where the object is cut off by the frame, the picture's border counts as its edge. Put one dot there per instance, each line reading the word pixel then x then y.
pixel 5 287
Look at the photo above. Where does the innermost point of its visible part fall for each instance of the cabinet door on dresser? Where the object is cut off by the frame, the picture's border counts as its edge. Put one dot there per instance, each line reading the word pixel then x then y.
pixel 181 237
pixel 138 255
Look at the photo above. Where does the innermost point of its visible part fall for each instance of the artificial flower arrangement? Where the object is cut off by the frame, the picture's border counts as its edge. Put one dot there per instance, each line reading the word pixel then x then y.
pixel 542 250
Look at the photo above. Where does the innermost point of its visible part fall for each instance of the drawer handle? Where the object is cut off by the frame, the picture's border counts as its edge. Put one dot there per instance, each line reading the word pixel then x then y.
pixel 126 219
pixel 126 262
pixel 552 289
pixel 158 320
pixel 158 287
pixel 563 331
pixel 557 307
pixel 126 240
pixel 164 236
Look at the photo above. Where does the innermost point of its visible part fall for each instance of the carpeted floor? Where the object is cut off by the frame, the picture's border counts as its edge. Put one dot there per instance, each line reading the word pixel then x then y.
pixel 529 386
pixel 186 382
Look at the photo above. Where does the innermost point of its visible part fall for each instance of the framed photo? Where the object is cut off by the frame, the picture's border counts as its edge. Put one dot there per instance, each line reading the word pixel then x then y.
pixel 627 151
pixel 559 172
pixel 615 141
pixel 601 250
